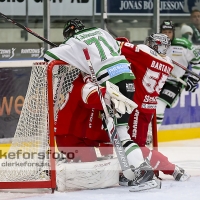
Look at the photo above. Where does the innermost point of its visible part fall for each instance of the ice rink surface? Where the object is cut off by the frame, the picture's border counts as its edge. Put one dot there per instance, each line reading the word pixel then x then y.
pixel 186 154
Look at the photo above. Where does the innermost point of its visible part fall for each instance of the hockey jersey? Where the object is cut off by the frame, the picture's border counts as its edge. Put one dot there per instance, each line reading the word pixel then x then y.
pixel 78 117
pixel 151 71
pixel 183 52
pixel 104 53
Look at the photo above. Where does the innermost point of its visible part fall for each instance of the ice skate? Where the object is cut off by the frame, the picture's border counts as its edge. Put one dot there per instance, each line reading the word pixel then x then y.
pixel 180 174
pixel 144 179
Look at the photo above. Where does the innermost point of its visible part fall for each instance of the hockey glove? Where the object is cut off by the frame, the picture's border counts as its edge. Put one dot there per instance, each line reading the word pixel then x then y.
pixel 120 103
pixel 192 83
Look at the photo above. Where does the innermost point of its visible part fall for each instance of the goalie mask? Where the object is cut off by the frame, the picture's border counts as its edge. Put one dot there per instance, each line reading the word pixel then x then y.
pixel 72 26
pixel 158 42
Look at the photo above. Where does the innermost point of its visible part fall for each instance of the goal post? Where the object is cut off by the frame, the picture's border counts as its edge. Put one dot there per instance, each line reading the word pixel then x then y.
pixel 30 161
pixel 154 132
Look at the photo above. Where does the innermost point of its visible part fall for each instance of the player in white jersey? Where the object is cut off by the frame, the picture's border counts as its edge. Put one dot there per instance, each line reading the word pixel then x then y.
pixel 183 52
pixel 108 65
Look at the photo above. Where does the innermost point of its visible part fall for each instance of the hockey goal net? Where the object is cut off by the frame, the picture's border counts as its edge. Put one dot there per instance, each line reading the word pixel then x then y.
pixel 30 162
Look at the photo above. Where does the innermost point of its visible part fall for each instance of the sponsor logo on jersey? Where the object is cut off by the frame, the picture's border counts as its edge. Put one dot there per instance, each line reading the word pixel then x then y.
pixel 149 99
pixel 148 106
pixel 130 87
pixel 161 67
pixel 169 93
pixel 135 123
pixel 118 69
pixel 153 52
pixel 177 48
pixel 7 53
pixel 176 54
pixel 91 118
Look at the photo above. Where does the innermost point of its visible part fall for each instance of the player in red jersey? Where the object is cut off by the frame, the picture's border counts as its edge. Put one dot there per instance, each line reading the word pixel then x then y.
pixel 75 118
pixel 151 67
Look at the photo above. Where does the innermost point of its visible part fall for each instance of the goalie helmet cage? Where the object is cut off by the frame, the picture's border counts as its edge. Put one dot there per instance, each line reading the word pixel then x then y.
pixel 33 145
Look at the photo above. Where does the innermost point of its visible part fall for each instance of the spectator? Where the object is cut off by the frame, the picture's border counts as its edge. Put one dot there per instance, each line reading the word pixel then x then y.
pixel 186 32
pixel 195 19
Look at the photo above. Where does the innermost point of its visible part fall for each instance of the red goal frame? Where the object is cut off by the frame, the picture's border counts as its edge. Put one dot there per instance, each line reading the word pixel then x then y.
pixel 52 182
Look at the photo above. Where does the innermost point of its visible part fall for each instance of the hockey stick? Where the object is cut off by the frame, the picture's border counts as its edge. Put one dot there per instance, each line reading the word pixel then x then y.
pixel 186 69
pixel 27 29
pixel 179 79
pixel 112 133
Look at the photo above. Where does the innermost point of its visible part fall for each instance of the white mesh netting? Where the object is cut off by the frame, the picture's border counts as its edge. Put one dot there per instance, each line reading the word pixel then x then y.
pixel 28 158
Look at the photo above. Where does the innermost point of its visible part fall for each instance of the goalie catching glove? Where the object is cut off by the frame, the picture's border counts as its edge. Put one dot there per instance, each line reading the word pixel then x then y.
pixel 114 98
pixel 192 83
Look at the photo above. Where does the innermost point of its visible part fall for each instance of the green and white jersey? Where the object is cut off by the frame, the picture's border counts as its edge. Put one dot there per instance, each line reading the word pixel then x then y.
pixel 104 53
pixel 183 52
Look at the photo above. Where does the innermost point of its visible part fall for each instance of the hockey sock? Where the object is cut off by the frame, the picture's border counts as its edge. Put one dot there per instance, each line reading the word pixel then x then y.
pixel 132 150
pixel 159 119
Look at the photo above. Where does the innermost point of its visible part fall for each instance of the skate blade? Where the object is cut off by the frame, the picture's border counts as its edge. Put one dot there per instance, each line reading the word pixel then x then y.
pixel 146 186
pixel 185 177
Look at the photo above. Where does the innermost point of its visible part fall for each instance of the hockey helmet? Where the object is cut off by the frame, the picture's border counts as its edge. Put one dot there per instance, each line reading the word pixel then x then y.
pixel 167 25
pixel 158 42
pixel 72 26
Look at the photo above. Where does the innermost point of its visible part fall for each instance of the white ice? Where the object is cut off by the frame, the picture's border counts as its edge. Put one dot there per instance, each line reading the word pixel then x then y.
pixel 183 153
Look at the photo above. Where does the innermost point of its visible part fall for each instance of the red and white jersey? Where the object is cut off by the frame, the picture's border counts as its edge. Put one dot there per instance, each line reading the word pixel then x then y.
pixel 151 71
pixel 81 114
pixel 67 116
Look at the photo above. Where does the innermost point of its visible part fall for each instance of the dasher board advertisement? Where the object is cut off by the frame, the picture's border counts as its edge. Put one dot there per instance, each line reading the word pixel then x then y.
pixel 57 7
pixel 145 7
